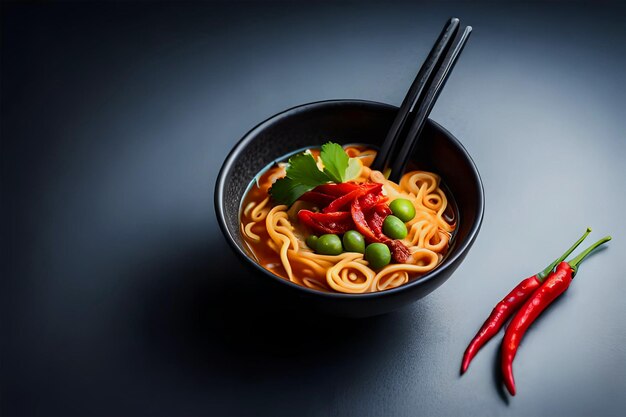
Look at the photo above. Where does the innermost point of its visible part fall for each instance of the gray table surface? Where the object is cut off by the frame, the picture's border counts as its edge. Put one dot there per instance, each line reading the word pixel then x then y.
pixel 120 295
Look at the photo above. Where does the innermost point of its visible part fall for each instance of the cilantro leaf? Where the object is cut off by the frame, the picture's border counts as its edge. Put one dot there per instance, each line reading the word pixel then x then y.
pixel 335 161
pixel 303 174
pixel 353 170
pixel 287 191
pixel 303 169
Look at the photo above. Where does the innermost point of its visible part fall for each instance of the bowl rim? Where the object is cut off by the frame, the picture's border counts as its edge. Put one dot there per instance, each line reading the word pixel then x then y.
pixel 252 133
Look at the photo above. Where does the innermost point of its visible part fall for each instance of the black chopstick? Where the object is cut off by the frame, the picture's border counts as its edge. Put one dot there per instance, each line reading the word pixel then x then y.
pixel 425 105
pixel 438 51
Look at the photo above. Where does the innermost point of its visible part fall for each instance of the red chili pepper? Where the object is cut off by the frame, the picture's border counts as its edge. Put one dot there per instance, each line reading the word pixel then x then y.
pixel 382 209
pixel 375 223
pixel 358 216
pixel 336 190
pixel 315 197
pixel 346 199
pixel 398 250
pixel 332 197
pixel 372 199
pixel 554 285
pixel 508 305
pixel 335 223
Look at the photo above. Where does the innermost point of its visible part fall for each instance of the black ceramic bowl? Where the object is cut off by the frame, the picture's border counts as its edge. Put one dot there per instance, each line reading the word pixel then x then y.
pixel 349 121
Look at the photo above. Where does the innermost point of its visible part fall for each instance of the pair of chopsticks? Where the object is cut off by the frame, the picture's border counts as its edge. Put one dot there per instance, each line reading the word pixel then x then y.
pixel 420 99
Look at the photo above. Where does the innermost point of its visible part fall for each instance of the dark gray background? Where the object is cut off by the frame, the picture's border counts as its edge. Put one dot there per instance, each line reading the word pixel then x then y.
pixel 120 295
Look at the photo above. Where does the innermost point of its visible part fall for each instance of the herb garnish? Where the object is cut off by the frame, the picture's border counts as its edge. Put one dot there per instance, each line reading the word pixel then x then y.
pixel 303 173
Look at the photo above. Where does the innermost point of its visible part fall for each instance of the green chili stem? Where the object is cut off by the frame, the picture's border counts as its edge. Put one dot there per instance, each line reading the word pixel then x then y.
pixel 543 274
pixel 577 260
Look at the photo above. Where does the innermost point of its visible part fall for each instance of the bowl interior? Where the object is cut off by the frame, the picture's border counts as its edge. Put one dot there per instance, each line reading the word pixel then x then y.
pixel 348 121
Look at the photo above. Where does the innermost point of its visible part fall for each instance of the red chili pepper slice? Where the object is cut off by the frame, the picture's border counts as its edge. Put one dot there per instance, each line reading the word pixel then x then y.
pixel 336 190
pixel 375 223
pixel 399 251
pixel 509 305
pixel 315 197
pixel 372 198
pixel 361 223
pixel 335 223
pixel 344 200
pixel 551 289
pixel 382 209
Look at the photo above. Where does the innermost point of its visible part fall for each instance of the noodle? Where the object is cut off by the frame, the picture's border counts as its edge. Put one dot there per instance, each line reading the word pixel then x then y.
pixel 350 275
pixel 277 240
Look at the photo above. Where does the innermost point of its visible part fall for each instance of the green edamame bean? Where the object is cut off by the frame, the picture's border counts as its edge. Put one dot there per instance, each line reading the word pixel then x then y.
pixel 378 255
pixel 329 245
pixel 353 241
pixel 311 241
pixel 394 227
pixel 402 209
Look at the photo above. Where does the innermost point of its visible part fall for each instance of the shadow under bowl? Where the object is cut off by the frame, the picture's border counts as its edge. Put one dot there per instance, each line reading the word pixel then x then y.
pixel 349 121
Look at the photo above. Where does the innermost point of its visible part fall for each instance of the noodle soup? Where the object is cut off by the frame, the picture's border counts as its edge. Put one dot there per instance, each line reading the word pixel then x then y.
pixel 282 238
